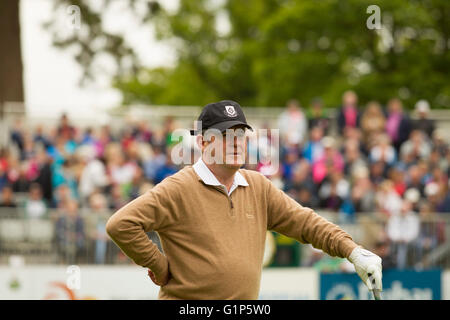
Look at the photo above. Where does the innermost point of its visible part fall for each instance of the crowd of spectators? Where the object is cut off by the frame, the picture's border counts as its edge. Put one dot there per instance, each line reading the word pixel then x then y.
pixel 383 162
pixel 365 160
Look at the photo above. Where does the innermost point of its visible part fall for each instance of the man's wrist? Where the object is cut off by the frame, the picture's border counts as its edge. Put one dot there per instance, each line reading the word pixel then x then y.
pixel 354 253
pixel 348 245
pixel 160 265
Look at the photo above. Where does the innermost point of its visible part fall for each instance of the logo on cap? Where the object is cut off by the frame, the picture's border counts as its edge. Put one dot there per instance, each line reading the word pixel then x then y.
pixel 230 111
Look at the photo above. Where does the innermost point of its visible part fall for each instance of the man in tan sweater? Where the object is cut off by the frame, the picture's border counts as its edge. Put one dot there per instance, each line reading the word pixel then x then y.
pixel 212 220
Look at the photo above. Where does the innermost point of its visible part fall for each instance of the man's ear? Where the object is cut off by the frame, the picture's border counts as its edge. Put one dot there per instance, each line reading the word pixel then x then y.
pixel 199 141
pixel 202 142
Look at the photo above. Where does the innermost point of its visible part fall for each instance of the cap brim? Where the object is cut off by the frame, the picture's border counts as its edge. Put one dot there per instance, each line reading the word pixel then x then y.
pixel 222 126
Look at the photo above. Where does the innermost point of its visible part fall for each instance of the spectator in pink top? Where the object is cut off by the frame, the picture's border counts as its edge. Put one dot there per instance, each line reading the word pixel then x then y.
pixel 398 124
pixel 331 160
pixel 348 115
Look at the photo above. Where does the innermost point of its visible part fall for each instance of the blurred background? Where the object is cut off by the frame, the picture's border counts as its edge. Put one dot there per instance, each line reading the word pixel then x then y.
pixel 91 92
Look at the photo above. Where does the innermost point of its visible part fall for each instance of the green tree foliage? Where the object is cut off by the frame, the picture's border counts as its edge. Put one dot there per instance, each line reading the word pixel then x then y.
pixel 274 50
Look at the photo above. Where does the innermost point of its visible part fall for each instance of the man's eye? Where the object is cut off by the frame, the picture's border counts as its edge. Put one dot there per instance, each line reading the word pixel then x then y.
pixel 238 134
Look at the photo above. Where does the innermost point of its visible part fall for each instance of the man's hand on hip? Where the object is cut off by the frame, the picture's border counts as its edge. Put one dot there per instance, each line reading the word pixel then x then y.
pixel 368 267
pixel 160 281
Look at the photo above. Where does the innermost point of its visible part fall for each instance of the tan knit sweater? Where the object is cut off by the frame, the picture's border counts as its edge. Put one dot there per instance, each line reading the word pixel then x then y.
pixel 214 243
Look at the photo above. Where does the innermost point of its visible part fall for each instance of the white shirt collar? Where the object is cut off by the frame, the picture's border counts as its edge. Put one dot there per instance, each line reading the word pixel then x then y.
pixel 210 179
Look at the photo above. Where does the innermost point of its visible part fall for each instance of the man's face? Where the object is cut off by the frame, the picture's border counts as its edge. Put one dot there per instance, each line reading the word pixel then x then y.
pixel 229 149
pixel 234 146
pixel 395 105
pixel 316 133
pixel 350 99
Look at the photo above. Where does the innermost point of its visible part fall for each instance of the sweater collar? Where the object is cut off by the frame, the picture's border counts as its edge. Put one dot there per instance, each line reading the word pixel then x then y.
pixel 210 179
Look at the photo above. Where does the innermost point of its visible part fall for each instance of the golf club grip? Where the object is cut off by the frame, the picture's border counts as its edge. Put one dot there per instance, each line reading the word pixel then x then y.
pixel 376 294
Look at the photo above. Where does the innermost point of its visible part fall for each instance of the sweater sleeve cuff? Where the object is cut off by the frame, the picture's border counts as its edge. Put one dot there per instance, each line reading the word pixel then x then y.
pixel 347 247
pixel 159 265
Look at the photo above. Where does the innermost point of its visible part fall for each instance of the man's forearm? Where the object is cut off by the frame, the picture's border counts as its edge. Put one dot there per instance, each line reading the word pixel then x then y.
pixel 329 237
pixel 288 217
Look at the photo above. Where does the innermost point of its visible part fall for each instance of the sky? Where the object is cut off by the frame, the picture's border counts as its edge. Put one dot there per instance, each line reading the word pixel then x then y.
pixel 51 75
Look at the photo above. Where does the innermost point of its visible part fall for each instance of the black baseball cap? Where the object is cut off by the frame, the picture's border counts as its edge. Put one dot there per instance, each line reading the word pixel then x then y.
pixel 221 115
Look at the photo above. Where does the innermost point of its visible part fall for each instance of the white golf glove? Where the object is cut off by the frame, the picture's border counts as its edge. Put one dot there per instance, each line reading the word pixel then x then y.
pixel 368 267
